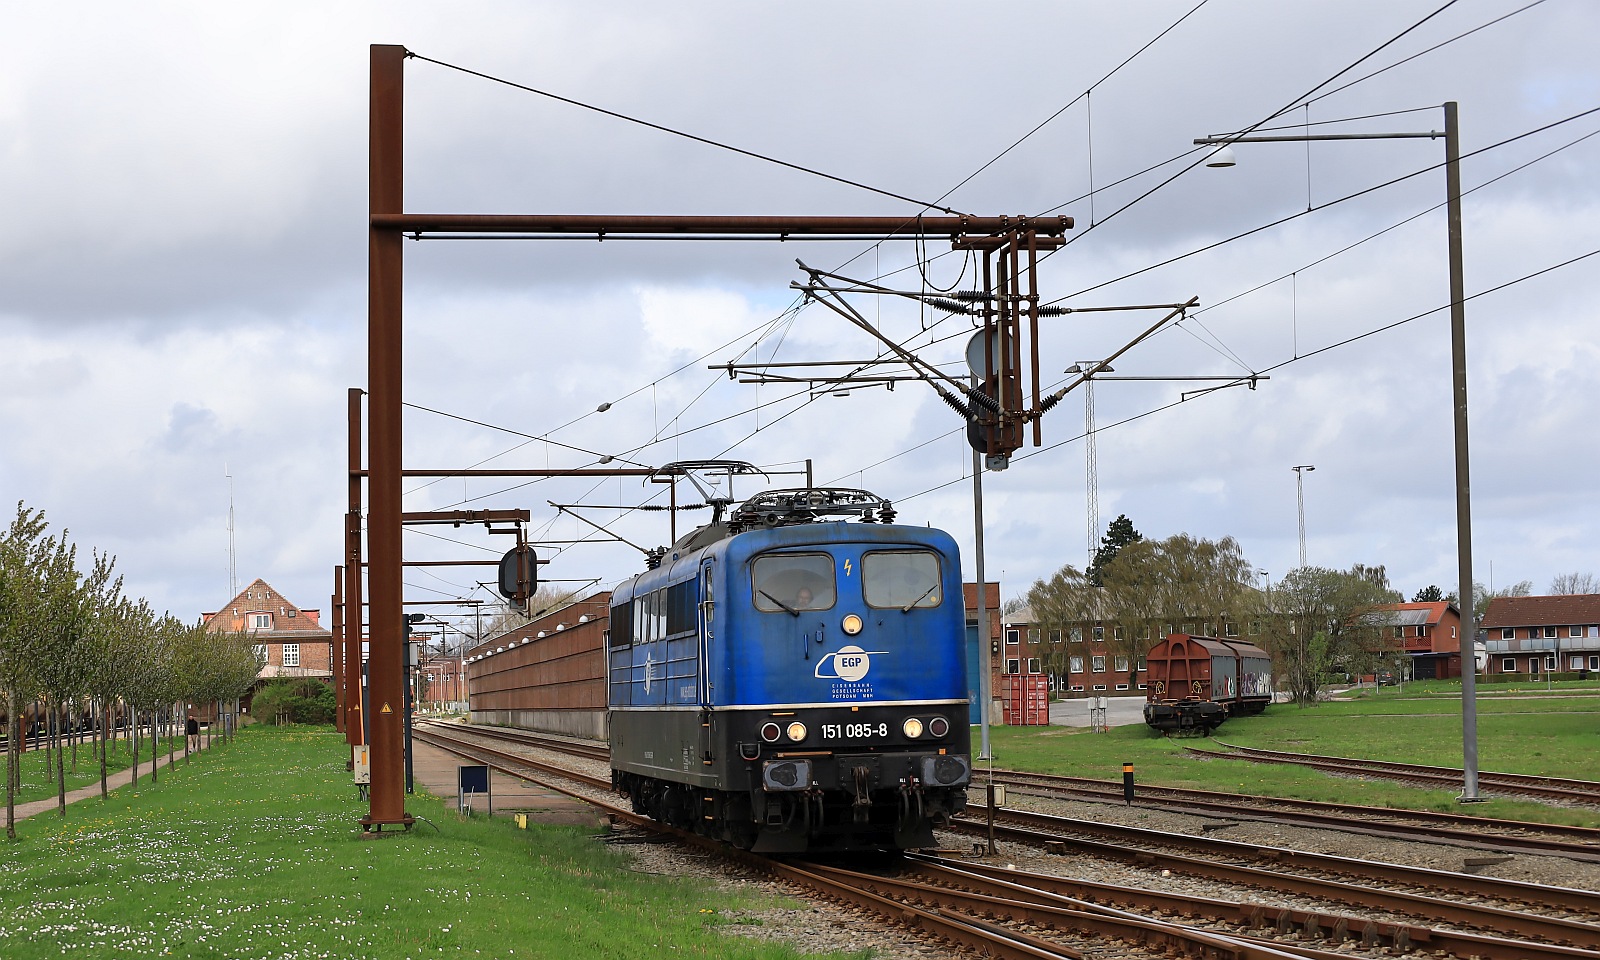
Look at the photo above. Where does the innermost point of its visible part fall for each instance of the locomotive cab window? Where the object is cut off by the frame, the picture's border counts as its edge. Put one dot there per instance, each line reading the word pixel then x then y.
pixel 792 582
pixel 902 578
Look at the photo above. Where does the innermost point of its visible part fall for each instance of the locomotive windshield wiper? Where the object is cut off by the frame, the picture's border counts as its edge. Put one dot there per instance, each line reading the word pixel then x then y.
pixel 907 607
pixel 780 603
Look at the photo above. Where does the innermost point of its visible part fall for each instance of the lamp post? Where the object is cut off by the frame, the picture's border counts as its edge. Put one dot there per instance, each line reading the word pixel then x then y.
pixel 1300 499
pixel 1458 365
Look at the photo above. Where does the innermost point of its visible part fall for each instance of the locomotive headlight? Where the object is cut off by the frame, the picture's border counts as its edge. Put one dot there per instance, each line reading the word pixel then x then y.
pixel 797 731
pixel 912 728
pixel 770 732
pixel 851 625
pixel 938 726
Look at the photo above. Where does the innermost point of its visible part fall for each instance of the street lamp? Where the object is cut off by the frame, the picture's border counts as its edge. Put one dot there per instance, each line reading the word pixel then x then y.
pixel 1458 365
pixel 1300 497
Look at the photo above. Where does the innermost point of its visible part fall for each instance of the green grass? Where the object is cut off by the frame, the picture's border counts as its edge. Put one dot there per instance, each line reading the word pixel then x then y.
pixel 40 784
pixel 1552 736
pixel 253 851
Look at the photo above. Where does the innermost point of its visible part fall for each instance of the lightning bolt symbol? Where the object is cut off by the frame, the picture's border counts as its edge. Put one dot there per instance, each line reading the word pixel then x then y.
pixel 847 568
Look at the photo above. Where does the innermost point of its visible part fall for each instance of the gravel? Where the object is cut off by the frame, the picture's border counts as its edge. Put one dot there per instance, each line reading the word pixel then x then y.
pixel 810 926
pixel 814 926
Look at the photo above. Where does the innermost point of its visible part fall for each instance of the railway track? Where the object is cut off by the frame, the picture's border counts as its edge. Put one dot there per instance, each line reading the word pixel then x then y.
pixel 1484 833
pixel 1007 913
pixel 572 746
pixel 1480 833
pixel 1513 907
pixel 1580 792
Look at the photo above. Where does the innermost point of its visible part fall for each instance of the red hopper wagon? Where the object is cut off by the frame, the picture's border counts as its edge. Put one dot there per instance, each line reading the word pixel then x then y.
pixel 1195 683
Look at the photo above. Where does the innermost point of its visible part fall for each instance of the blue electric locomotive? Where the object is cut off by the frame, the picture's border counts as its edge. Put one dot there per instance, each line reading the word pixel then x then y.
pixel 789 681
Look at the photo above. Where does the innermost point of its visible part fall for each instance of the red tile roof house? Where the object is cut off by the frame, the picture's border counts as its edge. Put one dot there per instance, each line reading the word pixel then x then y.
pixel 1428 633
pixel 294 643
pixel 1531 636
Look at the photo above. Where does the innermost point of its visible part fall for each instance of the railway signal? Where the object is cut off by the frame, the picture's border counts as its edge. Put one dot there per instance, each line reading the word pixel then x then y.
pixel 519 575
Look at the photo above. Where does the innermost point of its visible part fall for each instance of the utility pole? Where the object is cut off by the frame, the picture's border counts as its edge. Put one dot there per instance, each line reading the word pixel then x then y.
pixel 1458 390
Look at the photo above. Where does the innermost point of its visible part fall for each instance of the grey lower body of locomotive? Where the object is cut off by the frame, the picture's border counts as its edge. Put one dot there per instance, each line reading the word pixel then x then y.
pixel 710 772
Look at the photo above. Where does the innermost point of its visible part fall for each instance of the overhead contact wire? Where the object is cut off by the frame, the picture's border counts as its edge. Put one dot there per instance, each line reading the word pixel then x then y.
pixel 686 135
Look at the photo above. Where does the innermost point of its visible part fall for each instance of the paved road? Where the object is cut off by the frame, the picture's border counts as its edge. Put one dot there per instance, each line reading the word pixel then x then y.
pixel 1119 712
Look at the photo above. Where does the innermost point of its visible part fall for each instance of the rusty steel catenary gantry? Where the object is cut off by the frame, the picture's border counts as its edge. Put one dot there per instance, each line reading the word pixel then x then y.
pixel 1008 245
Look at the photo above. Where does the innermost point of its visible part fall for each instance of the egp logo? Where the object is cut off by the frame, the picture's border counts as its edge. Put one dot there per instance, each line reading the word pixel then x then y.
pixel 849 663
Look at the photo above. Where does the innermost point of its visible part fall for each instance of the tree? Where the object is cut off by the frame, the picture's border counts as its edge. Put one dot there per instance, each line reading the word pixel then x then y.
pixel 297 700
pixel 1119 534
pixel 1330 625
pixel 547 598
pixel 1144 585
pixel 1481 595
pixel 1569 584
pixel 21 552
pixel 115 650
pixel 1179 580
pixel 60 648
pixel 1428 594
pixel 1060 605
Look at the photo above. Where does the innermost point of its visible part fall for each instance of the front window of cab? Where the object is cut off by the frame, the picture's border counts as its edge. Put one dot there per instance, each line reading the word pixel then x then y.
pixel 902 578
pixel 791 582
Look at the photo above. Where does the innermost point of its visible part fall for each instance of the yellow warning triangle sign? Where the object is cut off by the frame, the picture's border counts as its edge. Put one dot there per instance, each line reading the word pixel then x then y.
pixel 386 709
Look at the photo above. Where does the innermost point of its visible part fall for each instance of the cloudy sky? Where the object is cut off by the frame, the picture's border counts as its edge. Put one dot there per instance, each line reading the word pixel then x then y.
pixel 182 273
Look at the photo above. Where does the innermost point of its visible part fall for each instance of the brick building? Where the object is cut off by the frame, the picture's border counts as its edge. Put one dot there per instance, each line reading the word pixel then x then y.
pixel 1088 658
pixel 1428 634
pixel 292 640
pixel 1532 636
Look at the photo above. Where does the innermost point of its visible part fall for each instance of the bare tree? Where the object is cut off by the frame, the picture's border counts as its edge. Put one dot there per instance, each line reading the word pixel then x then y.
pixel 1481 595
pixel 1570 584
pixel 547 598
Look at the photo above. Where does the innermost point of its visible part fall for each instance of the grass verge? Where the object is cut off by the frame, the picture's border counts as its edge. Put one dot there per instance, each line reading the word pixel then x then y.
pixel 39 783
pixel 252 851
pixel 1548 736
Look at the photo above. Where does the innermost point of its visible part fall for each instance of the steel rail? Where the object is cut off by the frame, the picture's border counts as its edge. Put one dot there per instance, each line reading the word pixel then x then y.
pixel 1457 829
pixel 1056 912
pixel 1307 923
pixel 577 748
pixel 1497 919
pixel 1561 788
pixel 969 932
pixel 972 932
pixel 1575 843
pixel 497 757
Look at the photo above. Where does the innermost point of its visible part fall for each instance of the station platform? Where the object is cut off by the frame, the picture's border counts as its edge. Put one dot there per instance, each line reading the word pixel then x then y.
pixel 435 770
